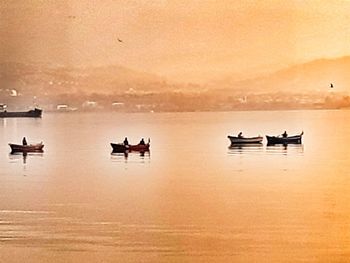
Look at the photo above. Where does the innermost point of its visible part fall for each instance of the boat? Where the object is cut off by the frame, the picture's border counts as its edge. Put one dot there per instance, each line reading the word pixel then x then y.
pixel 120 147
pixel 139 147
pixel 36 113
pixel 245 140
pixel 26 148
pixel 296 139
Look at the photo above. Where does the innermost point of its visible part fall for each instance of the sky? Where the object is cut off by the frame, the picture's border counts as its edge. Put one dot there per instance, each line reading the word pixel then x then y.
pixel 186 40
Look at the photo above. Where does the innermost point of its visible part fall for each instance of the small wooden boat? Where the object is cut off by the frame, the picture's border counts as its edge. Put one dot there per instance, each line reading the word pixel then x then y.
pixel 26 148
pixel 120 147
pixel 245 140
pixel 139 147
pixel 296 139
pixel 36 113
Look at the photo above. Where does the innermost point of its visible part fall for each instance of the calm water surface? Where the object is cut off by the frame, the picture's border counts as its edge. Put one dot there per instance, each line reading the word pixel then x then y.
pixel 191 199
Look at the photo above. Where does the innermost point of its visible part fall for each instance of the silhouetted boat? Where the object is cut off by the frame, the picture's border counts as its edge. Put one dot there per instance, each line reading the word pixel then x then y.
pixel 296 139
pixel 245 140
pixel 139 147
pixel 26 148
pixel 120 147
pixel 36 113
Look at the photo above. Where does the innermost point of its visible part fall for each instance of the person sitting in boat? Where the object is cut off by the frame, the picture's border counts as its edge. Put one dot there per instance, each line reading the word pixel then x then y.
pixel 142 142
pixel 126 142
pixel 24 141
pixel 240 135
pixel 285 135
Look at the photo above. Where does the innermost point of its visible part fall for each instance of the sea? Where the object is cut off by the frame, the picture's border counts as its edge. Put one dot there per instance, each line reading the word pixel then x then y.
pixel 191 198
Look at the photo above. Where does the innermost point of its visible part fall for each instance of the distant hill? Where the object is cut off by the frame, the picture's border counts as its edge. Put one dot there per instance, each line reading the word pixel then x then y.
pixel 115 88
pixel 43 79
pixel 314 76
pixel 50 80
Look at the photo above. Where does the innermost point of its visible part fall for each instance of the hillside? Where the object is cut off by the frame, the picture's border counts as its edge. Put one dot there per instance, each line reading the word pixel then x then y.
pixel 314 76
pixel 303 86
pixel 43 79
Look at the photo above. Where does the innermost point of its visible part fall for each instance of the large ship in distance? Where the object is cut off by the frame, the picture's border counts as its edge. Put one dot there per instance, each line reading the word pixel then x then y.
pixel 36 113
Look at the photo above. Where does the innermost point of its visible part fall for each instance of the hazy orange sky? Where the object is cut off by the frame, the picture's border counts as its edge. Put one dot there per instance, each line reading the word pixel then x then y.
pixel 186 40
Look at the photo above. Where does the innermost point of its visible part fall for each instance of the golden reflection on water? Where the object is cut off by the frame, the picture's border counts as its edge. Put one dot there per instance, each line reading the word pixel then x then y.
pixel 190 199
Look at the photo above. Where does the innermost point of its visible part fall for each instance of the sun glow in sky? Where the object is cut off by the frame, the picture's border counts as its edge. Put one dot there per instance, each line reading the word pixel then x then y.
pixel 179 39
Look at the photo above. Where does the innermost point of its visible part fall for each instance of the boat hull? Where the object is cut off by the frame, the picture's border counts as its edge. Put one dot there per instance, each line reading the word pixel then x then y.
pixel 139 147
pixel 250 140
pixel 26 148
pixel 36 113
pixel 297 139
pixel 119 147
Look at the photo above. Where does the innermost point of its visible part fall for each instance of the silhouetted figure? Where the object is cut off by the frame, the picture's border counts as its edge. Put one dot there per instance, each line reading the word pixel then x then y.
pixel 285 134
pixel 24 141
pixel 126 142
pixel 142 142
pixel 331 85
pixel 240 135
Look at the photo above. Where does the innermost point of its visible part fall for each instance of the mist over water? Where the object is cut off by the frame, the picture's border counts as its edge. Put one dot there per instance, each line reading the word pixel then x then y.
pixel 192 198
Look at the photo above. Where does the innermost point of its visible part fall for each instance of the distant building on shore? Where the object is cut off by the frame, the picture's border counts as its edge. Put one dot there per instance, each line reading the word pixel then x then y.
pixel 89 105
pixel 65 108
pixel 3 107
pixel 118 106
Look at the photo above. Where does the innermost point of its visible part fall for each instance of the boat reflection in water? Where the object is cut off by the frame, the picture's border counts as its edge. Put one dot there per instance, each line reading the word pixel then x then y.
pixel 15 156
pixel 117 156
pixel 245 148
pixel 285 149
pixel 269 149
pixel 120 154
